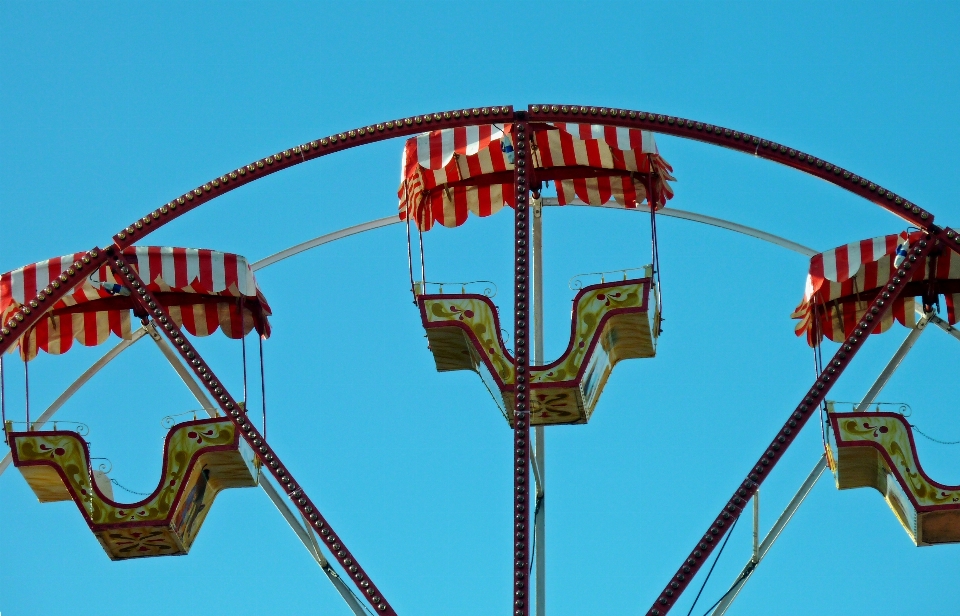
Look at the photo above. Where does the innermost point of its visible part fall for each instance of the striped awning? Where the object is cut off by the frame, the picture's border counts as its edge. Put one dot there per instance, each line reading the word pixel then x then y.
pixel 448 174
pixel 202 289
pixel 842 283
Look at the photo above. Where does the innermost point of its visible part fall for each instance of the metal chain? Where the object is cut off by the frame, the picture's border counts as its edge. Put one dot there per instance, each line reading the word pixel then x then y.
pixel 117 483
pixel 917 430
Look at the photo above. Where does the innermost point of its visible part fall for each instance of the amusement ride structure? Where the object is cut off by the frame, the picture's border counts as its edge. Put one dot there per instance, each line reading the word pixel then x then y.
pixel 456 164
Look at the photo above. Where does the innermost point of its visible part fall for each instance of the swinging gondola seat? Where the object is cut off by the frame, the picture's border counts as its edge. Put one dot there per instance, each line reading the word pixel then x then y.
pixel 611 322
pixel 877 450
pixel 200 459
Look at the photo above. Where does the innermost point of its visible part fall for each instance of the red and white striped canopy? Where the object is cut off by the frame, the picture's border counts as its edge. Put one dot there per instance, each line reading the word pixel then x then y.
pixel 448 174
pixel 202 289
pixel 842 283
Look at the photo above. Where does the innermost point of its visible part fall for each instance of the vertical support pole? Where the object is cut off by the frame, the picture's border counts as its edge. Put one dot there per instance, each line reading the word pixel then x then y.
pixel 3 398
pixel 521 427
pixel 26 389
pixel 540 512
pixel 756 526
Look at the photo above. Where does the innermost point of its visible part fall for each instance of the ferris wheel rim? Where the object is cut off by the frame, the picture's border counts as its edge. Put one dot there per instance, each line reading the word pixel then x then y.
pixel 713 135
pixel 658 123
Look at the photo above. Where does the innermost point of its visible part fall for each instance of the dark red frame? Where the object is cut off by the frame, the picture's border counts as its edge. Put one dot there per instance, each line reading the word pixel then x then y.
pixel 123 265
pixel 22 320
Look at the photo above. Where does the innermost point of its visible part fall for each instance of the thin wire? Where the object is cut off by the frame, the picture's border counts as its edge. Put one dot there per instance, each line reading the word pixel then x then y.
pixel 742 576
pixel 243 346
pixel 263 390
pixel 423 270
pixel 917 430
pixel 495 401
pixel 707 579
pixel 533 550
pixel 26 383
pixel 409 255
pixel 654 246
pixel 3 394
pixel 818 369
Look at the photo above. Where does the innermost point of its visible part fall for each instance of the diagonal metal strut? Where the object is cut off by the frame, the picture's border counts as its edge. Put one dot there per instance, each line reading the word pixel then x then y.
pixel 121 264
pixel 879 309
pixel 307 538
pixel 817 471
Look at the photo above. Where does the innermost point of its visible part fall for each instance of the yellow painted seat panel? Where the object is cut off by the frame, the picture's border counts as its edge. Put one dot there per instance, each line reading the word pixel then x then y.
pixel 200 458
pixel 611 323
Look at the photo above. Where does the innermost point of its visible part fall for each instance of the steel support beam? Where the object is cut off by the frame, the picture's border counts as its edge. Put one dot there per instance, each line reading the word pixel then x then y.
pixel 539 458
pixel 205 403
pixel 895 362
pixel 521 591
pixel 879 308
pixel 950 329
pixel 306 536
pixel 764 547
pixel 756 527
pixel 811 480
pixel 182 371
pixel 324 239
pixel 702 219
pixel 268 457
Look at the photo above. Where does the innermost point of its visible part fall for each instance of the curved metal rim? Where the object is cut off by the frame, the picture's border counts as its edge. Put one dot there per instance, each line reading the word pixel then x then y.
pixel 21 321
pixel 547 201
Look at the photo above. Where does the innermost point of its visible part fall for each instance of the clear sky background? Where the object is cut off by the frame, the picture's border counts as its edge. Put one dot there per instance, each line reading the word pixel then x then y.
pixel 108 110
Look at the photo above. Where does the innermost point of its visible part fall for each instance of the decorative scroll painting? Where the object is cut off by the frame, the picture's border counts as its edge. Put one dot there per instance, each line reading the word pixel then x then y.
pixel 610 324
pixel 877 450
pixel 200 459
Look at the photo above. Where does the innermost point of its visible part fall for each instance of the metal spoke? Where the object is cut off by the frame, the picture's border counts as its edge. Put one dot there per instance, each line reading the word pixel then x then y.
pixel 307 538
pixel 950 329
pixel 878 310
pixel 539 457
pixel 121 264
pixel 811 480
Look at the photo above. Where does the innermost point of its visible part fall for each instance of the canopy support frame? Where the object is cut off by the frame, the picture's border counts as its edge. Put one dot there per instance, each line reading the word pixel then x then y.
pixel 75 387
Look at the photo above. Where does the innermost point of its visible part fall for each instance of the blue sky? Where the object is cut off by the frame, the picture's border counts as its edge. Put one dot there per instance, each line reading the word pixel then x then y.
pixel 108 110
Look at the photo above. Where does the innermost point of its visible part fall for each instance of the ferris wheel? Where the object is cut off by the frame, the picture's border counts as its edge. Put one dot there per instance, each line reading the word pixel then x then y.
pixel 454 165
